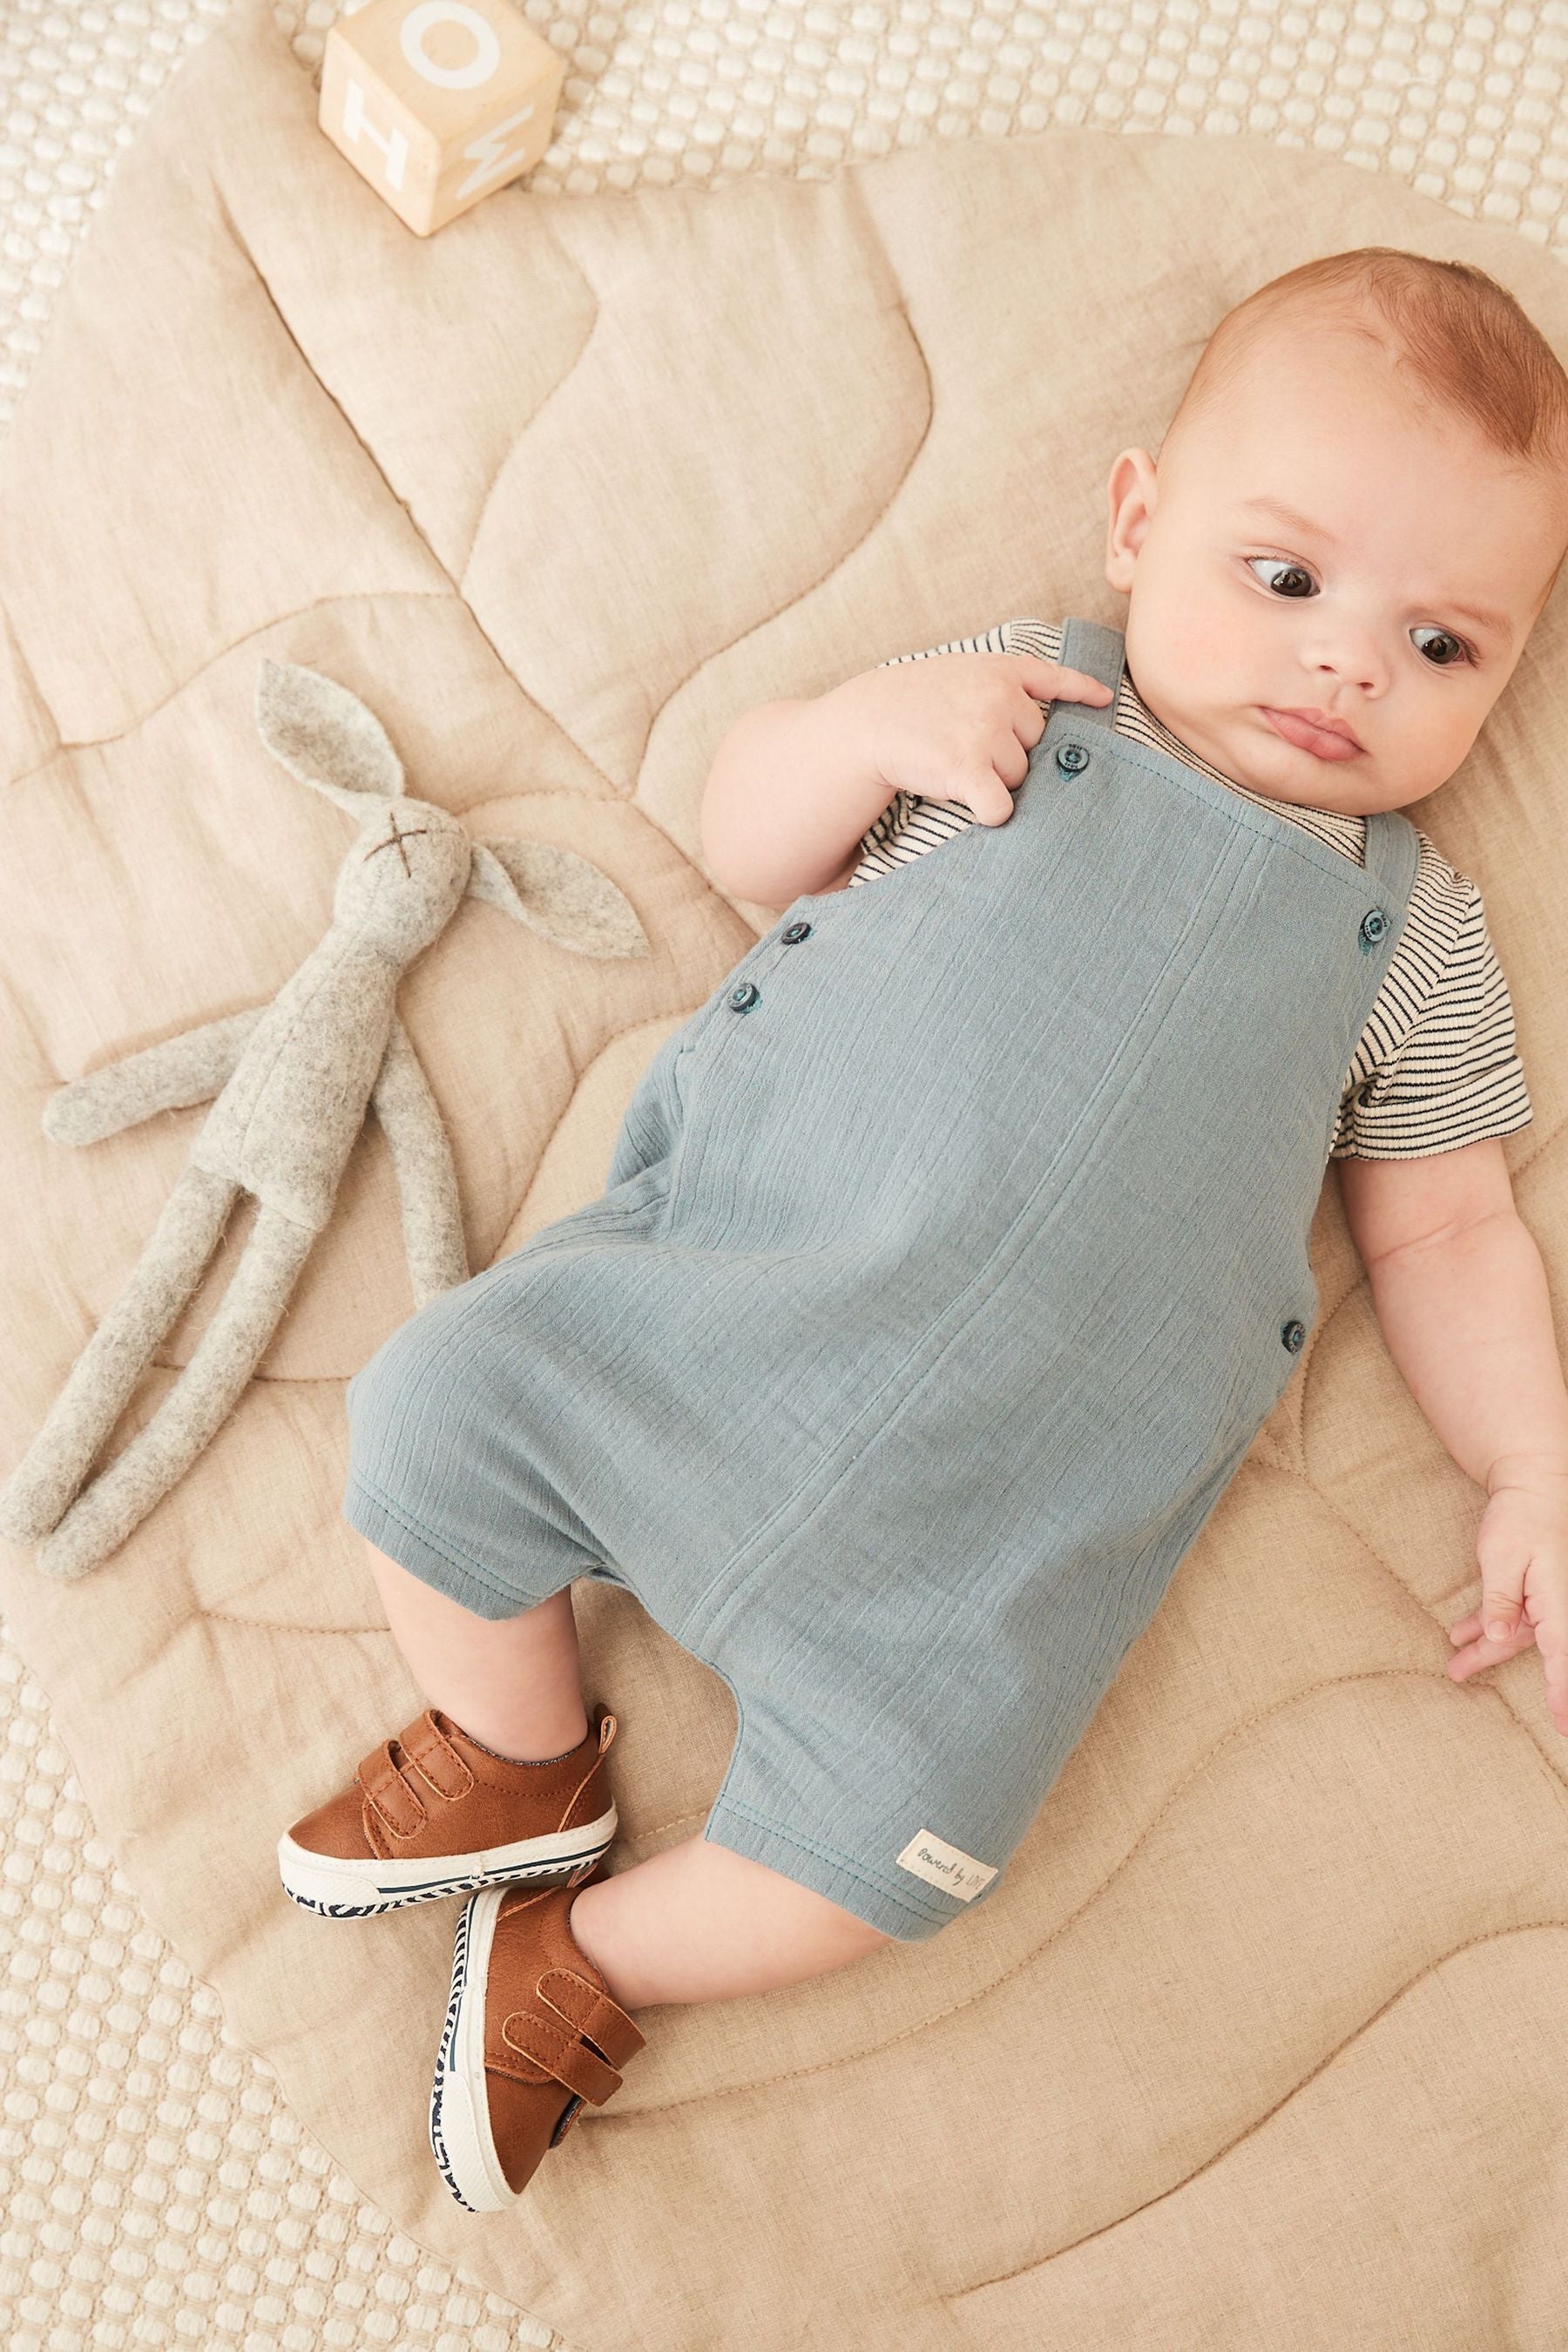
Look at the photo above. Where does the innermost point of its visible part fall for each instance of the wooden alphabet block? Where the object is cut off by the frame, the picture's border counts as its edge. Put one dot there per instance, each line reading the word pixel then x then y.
pixel 437 102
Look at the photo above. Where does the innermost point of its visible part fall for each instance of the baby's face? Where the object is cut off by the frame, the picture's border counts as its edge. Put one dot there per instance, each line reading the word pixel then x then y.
pixel 1396 594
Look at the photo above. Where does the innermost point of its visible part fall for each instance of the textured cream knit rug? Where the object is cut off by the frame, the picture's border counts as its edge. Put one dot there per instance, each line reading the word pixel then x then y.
pixel 155 2189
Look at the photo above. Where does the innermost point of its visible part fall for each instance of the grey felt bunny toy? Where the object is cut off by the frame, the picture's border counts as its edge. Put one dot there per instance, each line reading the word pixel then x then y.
pixel 292 1080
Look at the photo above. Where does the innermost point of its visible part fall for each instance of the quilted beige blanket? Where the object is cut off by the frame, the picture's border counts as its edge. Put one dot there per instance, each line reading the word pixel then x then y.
pixel 1265 2040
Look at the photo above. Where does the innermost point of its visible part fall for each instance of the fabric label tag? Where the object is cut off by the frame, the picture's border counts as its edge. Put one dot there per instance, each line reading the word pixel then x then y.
pixel 932 1859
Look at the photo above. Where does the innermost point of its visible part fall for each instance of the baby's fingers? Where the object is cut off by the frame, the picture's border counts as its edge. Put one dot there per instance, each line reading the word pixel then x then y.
pixel 1047 681
pixel 1481 1649
pixel 975 785
pixel 1076 686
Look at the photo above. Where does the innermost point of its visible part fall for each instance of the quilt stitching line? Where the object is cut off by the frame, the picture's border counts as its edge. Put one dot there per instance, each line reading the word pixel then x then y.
pixel 382 476
pixel 612 794
pixel 842 558
pixel 572 365
pixel 1441 1960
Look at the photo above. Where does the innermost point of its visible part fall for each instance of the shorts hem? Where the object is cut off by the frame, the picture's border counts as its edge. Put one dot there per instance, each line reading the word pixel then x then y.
pixel 824 1869
pixel 376 1517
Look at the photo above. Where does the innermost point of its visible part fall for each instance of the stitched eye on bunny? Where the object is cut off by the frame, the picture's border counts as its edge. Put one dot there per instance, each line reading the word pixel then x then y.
pixel 293 1081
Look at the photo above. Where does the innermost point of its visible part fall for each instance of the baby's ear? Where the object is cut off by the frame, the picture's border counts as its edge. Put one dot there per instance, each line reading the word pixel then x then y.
pixel 563 897
pixel 325 735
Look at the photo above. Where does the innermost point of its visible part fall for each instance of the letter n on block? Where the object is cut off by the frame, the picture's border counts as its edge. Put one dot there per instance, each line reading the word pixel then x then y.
pixel 435 102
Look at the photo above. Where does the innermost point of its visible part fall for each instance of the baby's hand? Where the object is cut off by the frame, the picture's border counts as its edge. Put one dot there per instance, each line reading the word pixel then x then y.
pixel 960 727
pixel 1523 1545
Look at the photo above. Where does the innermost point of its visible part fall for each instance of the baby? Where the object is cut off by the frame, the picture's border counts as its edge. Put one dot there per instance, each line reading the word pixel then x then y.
pixel 953 1252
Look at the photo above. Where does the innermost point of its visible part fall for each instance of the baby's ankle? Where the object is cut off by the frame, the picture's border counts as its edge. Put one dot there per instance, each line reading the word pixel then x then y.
pixel 622 1984
pixel 514 1742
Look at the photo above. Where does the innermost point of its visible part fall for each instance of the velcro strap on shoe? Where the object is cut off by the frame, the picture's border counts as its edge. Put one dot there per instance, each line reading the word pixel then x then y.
pixel 433 1756
pixel 563 2049
pixel 562 2054
pixel 593 2013
pixel 388 1794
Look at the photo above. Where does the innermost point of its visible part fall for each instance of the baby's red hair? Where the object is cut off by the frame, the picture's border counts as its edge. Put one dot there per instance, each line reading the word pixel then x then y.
pixel 1452 331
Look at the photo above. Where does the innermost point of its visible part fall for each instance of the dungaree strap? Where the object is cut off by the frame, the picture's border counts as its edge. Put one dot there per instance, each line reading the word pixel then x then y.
pixel 1098 652
pixel 1393 856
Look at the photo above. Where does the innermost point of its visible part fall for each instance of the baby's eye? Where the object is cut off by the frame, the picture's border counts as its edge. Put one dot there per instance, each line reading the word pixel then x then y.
pixel 1277 563
pixel 1461 652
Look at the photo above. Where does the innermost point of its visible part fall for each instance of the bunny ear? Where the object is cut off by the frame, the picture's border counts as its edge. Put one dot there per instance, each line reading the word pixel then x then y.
pixel 325 735
pixel 561 896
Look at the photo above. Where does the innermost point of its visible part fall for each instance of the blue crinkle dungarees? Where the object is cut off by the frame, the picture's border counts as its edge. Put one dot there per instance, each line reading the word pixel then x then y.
pixel 950 1256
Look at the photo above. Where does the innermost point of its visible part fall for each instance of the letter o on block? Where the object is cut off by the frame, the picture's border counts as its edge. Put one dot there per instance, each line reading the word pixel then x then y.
pixel 437 102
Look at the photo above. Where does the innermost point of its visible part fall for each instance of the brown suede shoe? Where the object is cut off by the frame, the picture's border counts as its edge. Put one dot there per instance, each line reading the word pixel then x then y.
pixel 532 2031
pixel 432 1813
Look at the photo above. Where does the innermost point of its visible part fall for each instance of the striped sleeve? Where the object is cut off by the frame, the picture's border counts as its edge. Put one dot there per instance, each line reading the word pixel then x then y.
pixel 910 824
pixel 994 641
pixel 1455 1076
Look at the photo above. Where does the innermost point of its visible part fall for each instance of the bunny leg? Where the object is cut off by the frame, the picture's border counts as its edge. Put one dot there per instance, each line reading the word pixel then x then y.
pixel 196 1406
pixel 114 1359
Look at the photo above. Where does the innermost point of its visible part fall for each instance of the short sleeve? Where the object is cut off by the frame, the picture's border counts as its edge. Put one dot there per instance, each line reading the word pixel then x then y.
pixel 1456 1075
pixel 1002 639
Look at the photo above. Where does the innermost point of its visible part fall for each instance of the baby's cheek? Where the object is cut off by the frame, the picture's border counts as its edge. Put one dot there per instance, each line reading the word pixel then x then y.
pixel 1184 661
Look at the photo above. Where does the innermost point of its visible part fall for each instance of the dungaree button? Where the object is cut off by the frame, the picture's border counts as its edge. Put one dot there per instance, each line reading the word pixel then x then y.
pixel 1070 758
pixel 742 999
pixel 1293 1334
pixel 796 932
pixel 1372 925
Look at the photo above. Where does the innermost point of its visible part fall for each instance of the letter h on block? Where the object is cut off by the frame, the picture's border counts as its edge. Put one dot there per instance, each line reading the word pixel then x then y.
pixel 435 102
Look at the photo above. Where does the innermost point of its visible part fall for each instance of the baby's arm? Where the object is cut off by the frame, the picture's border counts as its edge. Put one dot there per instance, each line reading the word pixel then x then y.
pixel 1461 1295
pixel 794 784
pixel 789 794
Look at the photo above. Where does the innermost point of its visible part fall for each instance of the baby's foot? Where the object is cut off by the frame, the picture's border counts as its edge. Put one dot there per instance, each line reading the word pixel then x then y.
pixel 532 2031
pixel 431 1813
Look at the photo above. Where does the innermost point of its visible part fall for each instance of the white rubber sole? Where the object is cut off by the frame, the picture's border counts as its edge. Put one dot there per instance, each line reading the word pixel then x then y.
pixel 460 2138
pixel 348 1889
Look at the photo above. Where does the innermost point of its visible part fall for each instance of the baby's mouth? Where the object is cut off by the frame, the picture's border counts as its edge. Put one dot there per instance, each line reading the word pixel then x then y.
pixel 1321 744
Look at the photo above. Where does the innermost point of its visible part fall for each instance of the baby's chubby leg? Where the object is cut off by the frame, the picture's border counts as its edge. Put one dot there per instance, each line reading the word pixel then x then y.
pixel 700 1923
pixel 693 1922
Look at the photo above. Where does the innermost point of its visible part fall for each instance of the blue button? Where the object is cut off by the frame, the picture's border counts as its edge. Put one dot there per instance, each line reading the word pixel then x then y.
pixel 796 932
pixel 1372 925
pixel 1293 1335
pixel 1070 758
pixel 742 999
